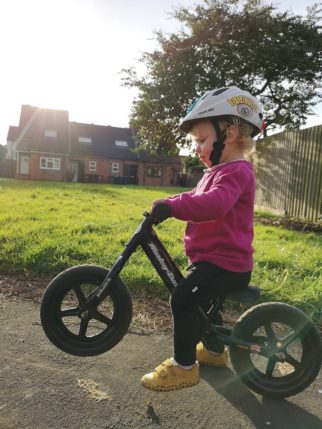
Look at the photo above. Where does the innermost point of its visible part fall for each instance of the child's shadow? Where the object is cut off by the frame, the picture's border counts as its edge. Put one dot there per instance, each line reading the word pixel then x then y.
pixel 264 413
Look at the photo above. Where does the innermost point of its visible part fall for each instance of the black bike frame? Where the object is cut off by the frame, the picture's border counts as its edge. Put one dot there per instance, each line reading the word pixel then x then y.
pixel 146 237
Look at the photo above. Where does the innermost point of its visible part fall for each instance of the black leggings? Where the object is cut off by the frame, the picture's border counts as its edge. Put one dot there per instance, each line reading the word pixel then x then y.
pixel 204 282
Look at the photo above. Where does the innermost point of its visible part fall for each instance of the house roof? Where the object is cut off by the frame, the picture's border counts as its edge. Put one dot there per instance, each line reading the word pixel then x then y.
pixel 107 141
pixel 146 156
pixel 76 138
pixel 13 133
pixel 34 121
pixel 111 142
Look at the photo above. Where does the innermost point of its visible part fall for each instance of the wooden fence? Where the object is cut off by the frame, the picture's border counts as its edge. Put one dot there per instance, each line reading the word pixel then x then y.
pixel 288 169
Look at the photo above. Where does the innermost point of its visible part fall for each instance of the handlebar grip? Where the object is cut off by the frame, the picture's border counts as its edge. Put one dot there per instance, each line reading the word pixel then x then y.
pixel 160 212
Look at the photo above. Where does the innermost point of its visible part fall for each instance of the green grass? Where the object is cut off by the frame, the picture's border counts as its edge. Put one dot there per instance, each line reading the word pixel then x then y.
pixel 49 226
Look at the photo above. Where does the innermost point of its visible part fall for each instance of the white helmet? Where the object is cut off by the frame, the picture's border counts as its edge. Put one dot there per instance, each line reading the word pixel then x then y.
pixel 223 102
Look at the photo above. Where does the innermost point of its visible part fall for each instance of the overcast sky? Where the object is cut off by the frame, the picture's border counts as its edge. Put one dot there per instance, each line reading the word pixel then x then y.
pixel 67 54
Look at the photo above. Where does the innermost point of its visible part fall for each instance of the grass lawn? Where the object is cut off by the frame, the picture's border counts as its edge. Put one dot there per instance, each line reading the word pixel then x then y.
pixel 49 226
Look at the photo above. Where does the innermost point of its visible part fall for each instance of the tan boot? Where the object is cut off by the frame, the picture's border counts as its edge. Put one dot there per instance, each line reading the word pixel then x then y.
pixel 168 376
pixel 205 357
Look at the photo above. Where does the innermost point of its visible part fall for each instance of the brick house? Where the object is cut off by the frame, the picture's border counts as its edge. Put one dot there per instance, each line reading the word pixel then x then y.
pixel 2 158
pixel 47 146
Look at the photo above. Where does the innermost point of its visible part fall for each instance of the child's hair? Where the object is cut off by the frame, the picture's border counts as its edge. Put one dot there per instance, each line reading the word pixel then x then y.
pixel 245 141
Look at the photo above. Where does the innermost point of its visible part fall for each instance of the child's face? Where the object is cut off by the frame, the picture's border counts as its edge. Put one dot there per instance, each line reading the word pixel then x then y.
pixel 203 136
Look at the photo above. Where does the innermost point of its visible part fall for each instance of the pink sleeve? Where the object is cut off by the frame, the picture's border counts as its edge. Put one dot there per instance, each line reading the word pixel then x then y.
pixel 212 204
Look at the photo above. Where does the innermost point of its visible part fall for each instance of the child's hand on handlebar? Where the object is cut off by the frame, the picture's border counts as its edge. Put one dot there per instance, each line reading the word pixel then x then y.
pixel 160 211
pixel 156 202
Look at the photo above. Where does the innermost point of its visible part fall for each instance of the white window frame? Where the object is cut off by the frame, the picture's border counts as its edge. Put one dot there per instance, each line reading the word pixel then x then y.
pixel 85 140
pixel 11 150
pixel 121 143
pixel 92 166
pixel 52 134
pixel 115 167
pixel 49 163
pixel 154 171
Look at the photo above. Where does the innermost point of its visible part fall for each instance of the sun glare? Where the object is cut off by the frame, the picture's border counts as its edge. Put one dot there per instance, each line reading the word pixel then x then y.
pixel 61 54
pixel 59 45
pixel 66 54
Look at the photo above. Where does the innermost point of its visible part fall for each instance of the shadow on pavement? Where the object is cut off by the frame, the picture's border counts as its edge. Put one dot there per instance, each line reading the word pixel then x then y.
pixel 264 413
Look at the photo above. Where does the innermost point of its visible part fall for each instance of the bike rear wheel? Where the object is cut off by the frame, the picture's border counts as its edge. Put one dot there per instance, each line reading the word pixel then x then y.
pixel 73 327
pixel 291 350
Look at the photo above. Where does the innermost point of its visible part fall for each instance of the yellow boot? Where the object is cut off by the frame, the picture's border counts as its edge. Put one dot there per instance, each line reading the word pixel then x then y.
pixel 168 376
pixel 205 357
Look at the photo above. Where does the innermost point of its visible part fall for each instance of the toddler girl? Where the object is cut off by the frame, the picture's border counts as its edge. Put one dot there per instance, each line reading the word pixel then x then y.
pixel 219 232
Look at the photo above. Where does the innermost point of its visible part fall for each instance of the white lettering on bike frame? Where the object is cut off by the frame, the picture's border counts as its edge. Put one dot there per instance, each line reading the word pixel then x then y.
pixel 101 290
pixel 107 282
pixel 164 267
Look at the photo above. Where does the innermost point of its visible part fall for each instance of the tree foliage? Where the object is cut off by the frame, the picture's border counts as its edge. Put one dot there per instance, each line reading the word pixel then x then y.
pixel 275 55
pixel 192 163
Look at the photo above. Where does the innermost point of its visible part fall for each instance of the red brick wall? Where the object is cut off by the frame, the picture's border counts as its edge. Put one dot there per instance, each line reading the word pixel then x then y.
pixel 103 171
pixel 9 168
pixel 101 168
pixel 164 180
pixel 109 167
pixel 37 173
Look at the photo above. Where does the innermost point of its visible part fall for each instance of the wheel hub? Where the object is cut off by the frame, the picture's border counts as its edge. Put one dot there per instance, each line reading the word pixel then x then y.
pixel 84 314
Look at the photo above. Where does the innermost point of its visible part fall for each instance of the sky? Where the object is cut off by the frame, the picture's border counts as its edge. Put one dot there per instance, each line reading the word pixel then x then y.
pixel 68 54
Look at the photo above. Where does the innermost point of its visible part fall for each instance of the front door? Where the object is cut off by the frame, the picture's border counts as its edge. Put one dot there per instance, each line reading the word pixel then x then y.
pixel 77 169
pixel 130 174
pixel 24 164
pixel 81 171
pixel 73 167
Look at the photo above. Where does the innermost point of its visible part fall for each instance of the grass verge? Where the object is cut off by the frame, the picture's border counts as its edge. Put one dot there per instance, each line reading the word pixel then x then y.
pixel 47 227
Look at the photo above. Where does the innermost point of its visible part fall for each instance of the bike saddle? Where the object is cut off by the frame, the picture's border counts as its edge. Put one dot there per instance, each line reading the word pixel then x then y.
pixel 250 294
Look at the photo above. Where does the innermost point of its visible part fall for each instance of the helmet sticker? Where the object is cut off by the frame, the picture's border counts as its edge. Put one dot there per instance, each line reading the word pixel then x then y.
pixel 192 105
pixel 196 101
pixel 244 110
pixel 244 101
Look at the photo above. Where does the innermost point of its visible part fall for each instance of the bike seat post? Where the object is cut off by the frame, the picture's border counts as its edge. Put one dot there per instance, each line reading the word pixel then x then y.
pixel 206 317
pixel 216 306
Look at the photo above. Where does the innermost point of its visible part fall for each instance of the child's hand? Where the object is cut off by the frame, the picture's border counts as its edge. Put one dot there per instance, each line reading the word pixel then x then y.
pixel 156 202
pixel 160 212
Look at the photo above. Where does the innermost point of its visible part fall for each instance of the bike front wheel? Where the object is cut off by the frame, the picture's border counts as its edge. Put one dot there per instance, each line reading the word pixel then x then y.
pixel 76 329
pixel 290 350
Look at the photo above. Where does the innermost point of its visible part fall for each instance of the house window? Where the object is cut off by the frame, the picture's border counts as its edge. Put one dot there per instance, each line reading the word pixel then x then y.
pixel 92 166
pixel 50 163
pixel 121 143
pixel 86 140
pixel 154 171
pixel 52 134
pixel 115 167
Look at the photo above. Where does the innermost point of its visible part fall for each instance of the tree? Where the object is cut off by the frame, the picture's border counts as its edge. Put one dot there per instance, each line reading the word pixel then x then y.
pixel 277 56
pixel 192 163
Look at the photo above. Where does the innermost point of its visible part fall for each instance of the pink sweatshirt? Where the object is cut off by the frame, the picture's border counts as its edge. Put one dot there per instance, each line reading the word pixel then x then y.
pixel 219 212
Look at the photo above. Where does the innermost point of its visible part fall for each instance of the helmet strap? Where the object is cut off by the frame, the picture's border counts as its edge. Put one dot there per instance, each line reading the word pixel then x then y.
pixel 218 145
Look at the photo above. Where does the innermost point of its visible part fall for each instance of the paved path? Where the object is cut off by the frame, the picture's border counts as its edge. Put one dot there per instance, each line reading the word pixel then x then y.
pixel 43 388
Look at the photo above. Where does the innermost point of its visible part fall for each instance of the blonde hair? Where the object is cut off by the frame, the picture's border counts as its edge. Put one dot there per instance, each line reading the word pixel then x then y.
pixel 244 140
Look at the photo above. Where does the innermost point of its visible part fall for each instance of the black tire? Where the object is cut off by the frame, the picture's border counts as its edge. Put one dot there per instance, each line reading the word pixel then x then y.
pixel 294 367
pixel 70 327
